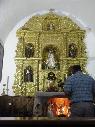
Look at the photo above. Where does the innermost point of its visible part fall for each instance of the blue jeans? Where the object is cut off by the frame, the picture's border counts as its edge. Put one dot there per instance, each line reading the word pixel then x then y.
pixel 82 109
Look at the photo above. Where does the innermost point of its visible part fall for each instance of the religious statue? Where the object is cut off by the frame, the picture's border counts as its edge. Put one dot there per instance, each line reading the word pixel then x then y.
pixel 50 26
pixel 28 74
pixel 51 83
pixel 72 50
pixel 29 50
pixel 50 59
pixel 51 63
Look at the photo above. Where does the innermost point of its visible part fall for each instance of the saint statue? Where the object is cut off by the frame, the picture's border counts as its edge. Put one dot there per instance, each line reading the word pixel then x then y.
pixel 28 75
pixel 51 63
pixel 29 50
pixel 72 50
pixel 50 26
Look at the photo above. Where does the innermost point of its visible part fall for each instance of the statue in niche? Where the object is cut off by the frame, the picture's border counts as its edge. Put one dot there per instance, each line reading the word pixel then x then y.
pixel 51 83
pixel 50 58
pixel 72 50
pixel 29 50
pixel 50 26
pixel 50 62
pixel 28 74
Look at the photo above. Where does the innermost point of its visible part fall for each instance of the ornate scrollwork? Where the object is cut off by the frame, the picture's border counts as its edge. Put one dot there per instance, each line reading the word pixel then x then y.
pixel 58 43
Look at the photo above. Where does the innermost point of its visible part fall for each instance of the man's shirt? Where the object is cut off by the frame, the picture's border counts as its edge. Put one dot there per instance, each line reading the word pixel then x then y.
pixel 80 87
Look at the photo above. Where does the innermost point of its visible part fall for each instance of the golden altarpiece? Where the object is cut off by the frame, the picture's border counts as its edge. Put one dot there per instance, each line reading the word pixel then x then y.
pixel 48 45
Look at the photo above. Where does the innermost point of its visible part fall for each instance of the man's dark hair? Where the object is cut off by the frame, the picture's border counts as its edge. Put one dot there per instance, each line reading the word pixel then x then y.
pixel 76 68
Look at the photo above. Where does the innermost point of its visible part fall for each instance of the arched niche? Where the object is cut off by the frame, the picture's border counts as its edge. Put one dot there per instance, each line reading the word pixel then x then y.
pixel 50 58
pixel 28 74
pixel 29 50
pixel 50 26
pixel 72 50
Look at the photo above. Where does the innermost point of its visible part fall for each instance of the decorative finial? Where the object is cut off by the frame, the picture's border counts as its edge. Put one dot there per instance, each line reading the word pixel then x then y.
pixel 88 28
pixel 51 10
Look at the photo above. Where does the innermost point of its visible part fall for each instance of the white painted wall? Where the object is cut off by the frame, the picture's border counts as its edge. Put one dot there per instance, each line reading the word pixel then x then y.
pixel 13 11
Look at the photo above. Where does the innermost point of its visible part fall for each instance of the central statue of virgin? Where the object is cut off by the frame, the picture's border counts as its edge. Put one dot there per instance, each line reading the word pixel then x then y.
pixel 51 60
